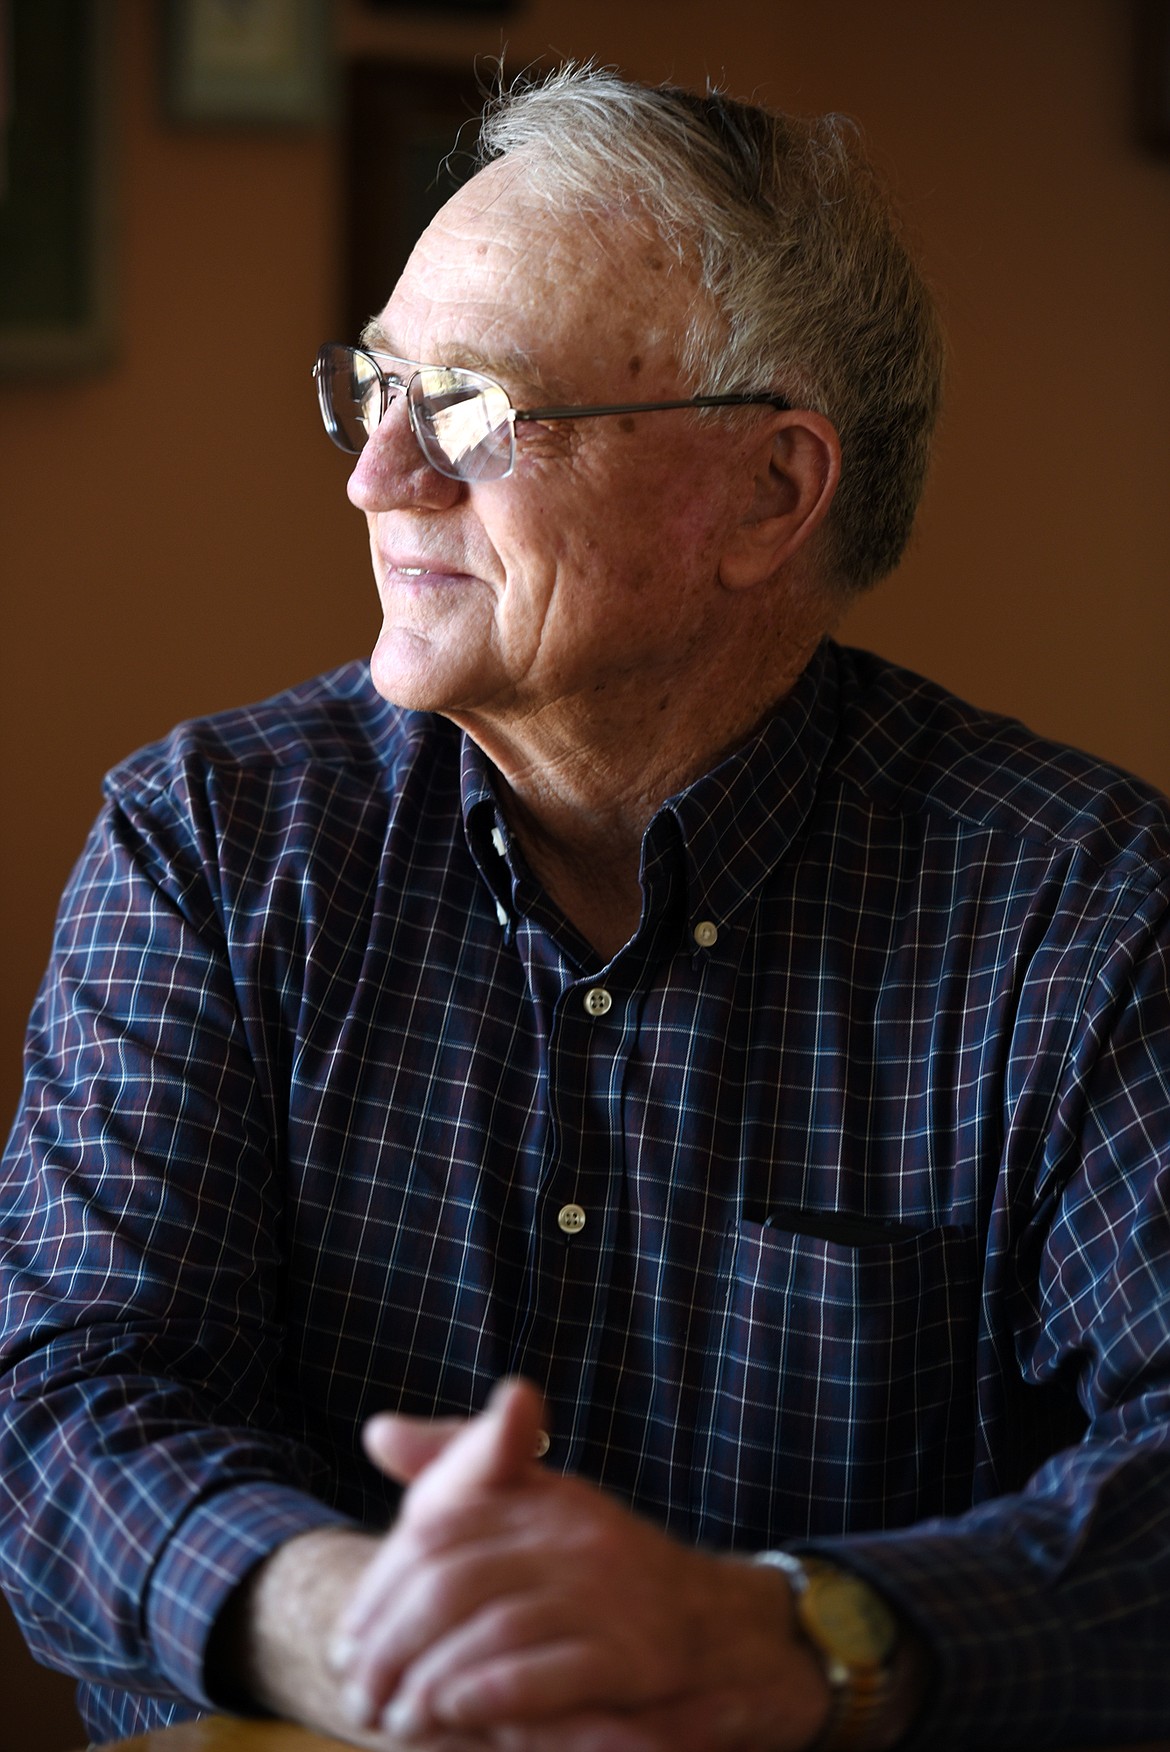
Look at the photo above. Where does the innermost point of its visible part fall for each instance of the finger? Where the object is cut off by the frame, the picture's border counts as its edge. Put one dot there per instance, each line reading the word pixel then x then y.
pixel 491 1451
pixel 402 1446
pixel 449 1687
pixel 529 1653
pixel 494 1451
pixel 421 1620
pixel 486 1591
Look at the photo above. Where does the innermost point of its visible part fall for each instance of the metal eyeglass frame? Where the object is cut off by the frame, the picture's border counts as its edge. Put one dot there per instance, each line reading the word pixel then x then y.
pixel 391 383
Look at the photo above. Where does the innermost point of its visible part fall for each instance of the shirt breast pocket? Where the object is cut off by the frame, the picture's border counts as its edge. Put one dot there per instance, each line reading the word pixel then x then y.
pixel 842 1378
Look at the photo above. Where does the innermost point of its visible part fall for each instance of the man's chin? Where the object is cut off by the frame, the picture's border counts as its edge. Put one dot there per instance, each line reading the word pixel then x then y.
pixel 405 673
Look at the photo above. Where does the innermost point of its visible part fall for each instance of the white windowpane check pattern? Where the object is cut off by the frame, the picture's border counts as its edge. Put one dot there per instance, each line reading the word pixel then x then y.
pixel 836 1202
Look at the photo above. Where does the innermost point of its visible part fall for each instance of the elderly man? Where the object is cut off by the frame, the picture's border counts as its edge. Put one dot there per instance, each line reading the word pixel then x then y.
pixel 707 1086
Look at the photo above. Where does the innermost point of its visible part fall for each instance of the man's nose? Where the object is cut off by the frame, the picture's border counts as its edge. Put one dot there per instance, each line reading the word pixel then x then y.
pixel 392 471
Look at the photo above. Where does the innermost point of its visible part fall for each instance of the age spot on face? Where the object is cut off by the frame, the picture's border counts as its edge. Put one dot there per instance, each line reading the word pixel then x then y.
pixel 635 365
pixel 626 423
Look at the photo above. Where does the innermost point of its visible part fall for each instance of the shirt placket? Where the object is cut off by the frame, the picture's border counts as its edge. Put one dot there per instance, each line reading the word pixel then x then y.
pixel 578 1202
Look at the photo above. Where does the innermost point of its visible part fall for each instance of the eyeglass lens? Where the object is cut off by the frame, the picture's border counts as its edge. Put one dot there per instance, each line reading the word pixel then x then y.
pixel 349 390
pixel 462 422
pixel 460 419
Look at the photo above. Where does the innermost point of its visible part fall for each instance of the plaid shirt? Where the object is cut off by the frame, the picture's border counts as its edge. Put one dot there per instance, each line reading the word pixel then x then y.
pixel 832 1211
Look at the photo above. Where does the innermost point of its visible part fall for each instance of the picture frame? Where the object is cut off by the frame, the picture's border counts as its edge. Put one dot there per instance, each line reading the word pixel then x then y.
pixel 1152 73
pixel 472 8
pixel 57 220
pixel 248 63
pixel 408 144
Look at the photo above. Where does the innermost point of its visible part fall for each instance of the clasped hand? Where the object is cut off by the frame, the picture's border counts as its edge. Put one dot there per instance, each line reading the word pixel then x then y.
pixel 515 1608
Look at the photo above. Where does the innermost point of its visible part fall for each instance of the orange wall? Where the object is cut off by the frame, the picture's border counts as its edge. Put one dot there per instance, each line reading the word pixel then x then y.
pixel 174 534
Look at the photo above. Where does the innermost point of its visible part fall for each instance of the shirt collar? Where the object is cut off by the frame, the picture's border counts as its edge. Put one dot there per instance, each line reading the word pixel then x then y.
pixel 735 823
pixel 738 820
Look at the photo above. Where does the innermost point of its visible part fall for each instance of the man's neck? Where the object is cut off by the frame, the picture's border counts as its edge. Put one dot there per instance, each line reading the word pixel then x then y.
pixel 580 790
pixel 586 855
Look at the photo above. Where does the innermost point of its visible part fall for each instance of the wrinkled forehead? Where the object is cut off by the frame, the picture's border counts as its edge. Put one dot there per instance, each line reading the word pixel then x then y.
pixel 501 272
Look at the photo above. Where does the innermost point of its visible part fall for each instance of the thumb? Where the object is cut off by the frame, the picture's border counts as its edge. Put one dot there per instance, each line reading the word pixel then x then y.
pixel 403 1446
pixel 443 1461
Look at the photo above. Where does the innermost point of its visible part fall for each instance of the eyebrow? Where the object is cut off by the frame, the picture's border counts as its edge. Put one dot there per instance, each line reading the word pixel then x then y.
pixel 375 338
pixel 516 366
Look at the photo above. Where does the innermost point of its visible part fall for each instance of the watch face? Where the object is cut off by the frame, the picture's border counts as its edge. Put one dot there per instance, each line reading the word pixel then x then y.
pixel 846 1617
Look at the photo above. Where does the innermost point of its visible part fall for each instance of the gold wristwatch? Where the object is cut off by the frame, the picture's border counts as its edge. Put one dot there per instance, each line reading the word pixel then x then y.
pixel 872 1675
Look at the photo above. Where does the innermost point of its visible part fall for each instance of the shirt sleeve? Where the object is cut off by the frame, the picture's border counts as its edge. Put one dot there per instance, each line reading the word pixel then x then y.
pixel 1047 1608
pixel 143 1465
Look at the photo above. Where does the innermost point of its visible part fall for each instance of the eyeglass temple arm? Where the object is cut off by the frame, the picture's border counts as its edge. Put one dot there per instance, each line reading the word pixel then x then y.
pixel 694 401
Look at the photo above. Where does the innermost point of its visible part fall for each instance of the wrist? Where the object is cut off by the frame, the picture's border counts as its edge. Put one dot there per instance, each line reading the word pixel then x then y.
pixel 874 1665
pixel 265 1654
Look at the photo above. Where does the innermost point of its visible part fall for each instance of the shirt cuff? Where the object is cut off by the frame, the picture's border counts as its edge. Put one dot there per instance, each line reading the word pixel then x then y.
pixel 1016 1659
pixel 215 1547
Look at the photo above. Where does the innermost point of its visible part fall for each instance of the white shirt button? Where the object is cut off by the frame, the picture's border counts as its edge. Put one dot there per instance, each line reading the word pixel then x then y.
pixel 705 933
pixel 598 1001
pixel 498 842
pixel 542 1444
pixel 571 1218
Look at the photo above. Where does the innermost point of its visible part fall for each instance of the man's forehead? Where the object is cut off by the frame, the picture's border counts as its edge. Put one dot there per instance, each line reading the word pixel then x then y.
pixel 505 233
pixel 515 285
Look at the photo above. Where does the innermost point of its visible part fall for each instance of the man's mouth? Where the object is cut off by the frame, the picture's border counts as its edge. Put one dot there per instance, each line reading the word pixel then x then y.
pixel 410 571
pixel 416 568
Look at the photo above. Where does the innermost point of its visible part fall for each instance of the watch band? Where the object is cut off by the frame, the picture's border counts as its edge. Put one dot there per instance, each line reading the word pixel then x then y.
pixel 872 1676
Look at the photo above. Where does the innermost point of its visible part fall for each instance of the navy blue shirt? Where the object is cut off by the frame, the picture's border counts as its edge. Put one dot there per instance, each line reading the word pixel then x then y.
pixel 833 1210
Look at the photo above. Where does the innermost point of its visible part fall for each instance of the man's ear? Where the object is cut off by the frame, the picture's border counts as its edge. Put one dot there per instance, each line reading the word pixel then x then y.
pixel 796 467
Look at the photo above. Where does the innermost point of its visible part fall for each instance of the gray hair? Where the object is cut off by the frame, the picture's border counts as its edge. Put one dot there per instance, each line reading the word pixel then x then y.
pixel 811 290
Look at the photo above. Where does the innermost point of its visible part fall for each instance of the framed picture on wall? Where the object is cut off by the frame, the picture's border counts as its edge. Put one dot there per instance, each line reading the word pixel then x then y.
pixel 478 8
pixel 409 131
pixel 248 62
pixel 1152 64
pixel 56 186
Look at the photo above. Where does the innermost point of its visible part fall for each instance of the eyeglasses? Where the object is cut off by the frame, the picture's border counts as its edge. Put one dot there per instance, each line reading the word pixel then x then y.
pixel 464 422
